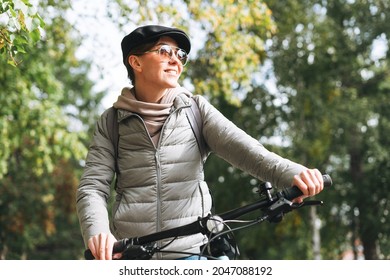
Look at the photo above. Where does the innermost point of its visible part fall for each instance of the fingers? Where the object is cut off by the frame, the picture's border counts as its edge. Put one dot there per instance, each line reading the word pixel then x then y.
pixel 310 182
pixel 313 180
pixel 117 256
pixel 101 246
pixel 110 246
pixel 92 247
pixel 105 254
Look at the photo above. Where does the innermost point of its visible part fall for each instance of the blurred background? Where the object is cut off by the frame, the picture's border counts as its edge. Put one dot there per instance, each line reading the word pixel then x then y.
pixel 310 79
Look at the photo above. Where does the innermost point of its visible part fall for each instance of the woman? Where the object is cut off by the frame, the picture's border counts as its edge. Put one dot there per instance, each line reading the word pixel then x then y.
pixel 160 181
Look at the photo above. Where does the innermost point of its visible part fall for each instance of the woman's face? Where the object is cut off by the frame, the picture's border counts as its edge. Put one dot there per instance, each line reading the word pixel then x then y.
pixel 157 70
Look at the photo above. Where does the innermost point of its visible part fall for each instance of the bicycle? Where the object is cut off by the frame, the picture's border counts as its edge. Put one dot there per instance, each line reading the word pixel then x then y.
pixel 273 205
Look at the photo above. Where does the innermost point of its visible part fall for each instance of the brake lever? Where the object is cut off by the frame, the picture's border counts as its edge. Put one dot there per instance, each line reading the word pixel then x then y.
pixel 276 211
pixel 310 203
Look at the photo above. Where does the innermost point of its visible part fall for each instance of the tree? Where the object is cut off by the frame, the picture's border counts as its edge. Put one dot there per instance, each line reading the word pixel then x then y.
pixel 44 99
pixel 324 64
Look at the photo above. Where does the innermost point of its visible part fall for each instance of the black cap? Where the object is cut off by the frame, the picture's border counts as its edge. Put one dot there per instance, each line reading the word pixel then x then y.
pixel 147 33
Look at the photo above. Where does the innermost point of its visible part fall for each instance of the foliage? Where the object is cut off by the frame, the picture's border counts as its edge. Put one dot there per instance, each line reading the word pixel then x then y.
pixel 20 25
pixel 42 103
pixel 234 49
pixel 231 42
pixel 324 64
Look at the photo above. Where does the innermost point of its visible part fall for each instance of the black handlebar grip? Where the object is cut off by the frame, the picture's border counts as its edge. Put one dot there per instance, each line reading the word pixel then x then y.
pixel 327 180
pixel 294 192
pixel 119 247
pixel 88 255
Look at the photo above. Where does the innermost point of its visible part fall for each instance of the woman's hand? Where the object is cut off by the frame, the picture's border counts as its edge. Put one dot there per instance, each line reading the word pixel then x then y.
pixel 310 182
pixel 101 246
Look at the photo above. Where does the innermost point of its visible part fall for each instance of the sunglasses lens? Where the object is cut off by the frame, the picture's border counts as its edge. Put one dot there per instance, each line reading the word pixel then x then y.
pixel 182 55
pixel 166 51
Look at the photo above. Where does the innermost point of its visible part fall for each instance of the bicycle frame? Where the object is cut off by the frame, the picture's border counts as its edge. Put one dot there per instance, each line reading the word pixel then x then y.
pixel 273 205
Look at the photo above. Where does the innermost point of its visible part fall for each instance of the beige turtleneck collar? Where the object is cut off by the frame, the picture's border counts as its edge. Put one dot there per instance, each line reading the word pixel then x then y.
pixel 153 114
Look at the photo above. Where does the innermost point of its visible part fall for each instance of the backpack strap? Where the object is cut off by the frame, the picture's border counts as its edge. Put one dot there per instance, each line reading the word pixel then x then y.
pixel 113 130
pixel 195 120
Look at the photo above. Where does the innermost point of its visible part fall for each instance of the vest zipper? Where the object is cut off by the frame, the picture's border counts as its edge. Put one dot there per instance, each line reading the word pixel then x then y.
pixel 158 183
pixel 158 174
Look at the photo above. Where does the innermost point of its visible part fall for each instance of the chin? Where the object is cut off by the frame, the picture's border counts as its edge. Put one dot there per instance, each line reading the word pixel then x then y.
pixel 173 85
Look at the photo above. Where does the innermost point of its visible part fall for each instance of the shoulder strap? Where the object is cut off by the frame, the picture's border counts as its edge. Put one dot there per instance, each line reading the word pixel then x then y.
pixel 195 119
pixel 113 129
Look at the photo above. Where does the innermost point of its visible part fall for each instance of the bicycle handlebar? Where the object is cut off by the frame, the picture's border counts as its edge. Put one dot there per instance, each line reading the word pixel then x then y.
pixel 289 193
pixel 201 225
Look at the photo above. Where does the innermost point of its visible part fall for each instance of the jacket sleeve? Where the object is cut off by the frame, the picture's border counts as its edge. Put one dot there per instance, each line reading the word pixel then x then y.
pixel 94 187
pixel 243 151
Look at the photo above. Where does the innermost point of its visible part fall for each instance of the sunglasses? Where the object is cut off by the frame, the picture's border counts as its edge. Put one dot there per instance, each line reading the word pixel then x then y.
pixel 166 51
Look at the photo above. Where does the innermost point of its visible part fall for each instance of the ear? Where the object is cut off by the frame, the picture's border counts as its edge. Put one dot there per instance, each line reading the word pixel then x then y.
pixel 135 63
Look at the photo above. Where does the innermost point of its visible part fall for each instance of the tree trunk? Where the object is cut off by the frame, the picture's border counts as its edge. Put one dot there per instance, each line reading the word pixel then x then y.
pixel 3 253
pixel 366 230
pixel 369 248
pixel 316 238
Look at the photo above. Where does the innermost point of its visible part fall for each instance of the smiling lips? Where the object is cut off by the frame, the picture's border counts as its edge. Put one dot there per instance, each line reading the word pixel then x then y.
pixel 171 71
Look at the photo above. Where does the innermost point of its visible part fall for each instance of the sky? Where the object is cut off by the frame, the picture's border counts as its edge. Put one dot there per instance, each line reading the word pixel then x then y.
pixel 101 43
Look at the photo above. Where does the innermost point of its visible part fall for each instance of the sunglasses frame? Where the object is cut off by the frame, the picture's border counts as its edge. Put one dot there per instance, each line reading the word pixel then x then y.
pixel 169 51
